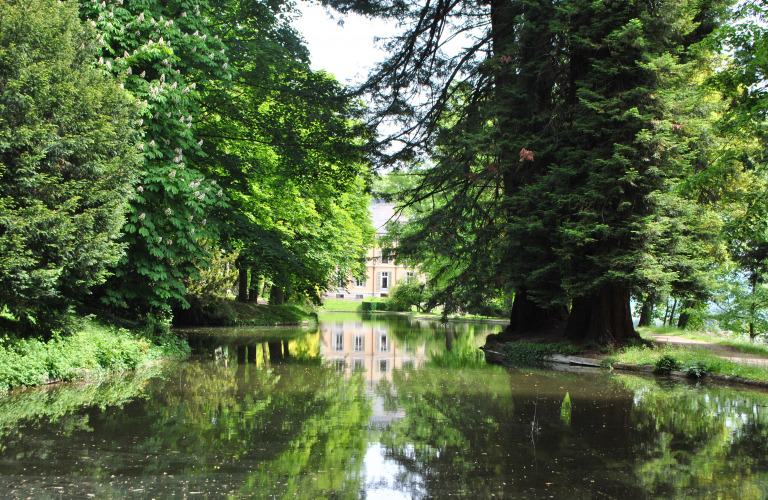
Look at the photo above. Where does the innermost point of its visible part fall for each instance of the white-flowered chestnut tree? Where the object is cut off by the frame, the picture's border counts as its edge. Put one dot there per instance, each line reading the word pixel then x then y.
pixel 162 53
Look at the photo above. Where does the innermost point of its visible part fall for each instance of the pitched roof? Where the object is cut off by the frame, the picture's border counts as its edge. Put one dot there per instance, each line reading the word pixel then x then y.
pixel 381 213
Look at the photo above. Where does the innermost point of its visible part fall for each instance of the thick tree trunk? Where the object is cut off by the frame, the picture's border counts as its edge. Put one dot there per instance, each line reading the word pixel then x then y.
pixel 527 316
pixel 602 318
pixel 682 323
pixel 646 312
pixel 242 294
pixel 276 295
pixel 253 292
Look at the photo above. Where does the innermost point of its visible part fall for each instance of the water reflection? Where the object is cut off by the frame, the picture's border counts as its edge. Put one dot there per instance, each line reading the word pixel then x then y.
pixel 378 407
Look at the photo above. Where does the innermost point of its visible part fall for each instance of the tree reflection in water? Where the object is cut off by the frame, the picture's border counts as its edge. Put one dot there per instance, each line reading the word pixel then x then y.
pixel 389 411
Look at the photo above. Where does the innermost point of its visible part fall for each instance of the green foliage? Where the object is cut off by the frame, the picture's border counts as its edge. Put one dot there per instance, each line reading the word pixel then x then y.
pixel 284 142
pixel 565 410
pixel 67 159
pixel 712 363
pixel 93 350
pixel 216 279
pixel 164 55
pixel 376 304
pixel 406 294
pixel 522 196
pixel 695 369
pixel 665 364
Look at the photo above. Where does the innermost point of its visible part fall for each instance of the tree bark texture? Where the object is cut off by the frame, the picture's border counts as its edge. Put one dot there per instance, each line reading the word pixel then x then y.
pixel 276 295
pixel 527 316
pixel 646 312
pixel 602 318
pixel 253 292
pixel 242 293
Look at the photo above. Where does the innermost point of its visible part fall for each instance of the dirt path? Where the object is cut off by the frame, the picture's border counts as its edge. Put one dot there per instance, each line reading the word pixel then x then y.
pixel 723 351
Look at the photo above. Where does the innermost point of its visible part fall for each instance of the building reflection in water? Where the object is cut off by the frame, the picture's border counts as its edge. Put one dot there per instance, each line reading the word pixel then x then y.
pixel 356 346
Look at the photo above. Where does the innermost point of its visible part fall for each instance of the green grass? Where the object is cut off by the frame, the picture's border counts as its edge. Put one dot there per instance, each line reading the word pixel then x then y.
pixel 690 358
pixel 93 349
pixel 340 305
pixel 234 313
pixel 738 342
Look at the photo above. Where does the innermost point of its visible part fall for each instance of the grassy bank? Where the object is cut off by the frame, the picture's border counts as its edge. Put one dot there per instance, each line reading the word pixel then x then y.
pixel 690 360
pixel 739 342
pixel 93 349
pixel 233 313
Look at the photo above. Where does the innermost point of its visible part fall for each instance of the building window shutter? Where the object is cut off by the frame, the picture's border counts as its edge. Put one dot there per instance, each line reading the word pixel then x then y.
pixel 378 281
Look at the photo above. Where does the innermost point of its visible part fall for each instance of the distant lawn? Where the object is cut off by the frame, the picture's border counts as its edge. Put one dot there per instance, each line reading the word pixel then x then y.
pixel 738 342
pixel 340 305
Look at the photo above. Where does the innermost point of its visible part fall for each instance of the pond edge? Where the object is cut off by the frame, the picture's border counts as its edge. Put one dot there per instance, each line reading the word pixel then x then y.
pixel 578 361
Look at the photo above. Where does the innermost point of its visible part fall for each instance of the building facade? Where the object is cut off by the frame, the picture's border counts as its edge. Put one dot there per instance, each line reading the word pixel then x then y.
pixel 382 273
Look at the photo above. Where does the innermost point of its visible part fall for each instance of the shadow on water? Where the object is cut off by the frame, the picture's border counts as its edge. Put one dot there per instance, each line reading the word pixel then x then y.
pixel 378 406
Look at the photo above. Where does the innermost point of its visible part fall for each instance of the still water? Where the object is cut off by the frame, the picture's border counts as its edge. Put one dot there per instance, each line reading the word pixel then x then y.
pixel 378 407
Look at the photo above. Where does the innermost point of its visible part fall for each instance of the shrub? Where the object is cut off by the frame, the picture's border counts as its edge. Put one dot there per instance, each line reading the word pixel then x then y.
pixel 695 369
pixel 665 364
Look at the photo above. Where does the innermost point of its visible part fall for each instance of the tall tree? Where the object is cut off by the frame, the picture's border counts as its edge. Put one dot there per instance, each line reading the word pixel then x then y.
pixel 549 143
pixel 67 158
pixel 164 55
pixel 285 143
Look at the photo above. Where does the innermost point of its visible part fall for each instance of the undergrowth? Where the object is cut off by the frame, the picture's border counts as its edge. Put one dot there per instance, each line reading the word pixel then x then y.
pixel 93 349
pixel 741 343
pixel 693 361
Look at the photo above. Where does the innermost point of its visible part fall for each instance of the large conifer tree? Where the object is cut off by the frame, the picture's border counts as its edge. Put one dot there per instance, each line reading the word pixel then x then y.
pixel 553 149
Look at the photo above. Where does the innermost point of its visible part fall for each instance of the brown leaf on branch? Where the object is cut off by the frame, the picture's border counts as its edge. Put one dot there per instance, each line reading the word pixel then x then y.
pixel 526 155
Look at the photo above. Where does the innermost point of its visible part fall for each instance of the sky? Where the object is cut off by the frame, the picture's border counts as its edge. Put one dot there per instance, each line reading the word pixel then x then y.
pixel 347 52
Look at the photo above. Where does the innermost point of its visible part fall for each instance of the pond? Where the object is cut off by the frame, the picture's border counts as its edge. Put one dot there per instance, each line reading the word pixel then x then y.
pixel 380 406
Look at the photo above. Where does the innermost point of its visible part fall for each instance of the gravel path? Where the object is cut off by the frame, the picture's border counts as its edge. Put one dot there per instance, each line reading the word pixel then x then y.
pixel 723 351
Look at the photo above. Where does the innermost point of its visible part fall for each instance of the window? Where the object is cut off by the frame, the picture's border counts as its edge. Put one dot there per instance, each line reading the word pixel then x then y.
pixel 383 365
pixel 383 343
pixel 383 280
pixel 339 295
pixel 341 280
pixel 358 365
pixel 359 296
pixel 410 277
pixel 338 342
pixel 340 365
pixel 358 345
pixel 407 364
pixel 359 283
